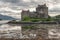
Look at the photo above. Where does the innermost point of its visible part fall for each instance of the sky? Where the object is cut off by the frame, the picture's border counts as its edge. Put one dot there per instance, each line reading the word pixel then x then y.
pixel 13 7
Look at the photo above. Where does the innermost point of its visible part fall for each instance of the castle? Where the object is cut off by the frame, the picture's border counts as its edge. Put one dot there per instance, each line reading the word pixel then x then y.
pixel 41 12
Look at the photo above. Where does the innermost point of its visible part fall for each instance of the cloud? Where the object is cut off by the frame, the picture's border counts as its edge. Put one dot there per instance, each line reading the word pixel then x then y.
pixel 15 6
pixel 55 8
pixel 9 9
pixel 23 2
pixel 11 1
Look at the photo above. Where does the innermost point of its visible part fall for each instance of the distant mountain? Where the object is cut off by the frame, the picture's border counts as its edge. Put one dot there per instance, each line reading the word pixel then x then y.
pixel 4 17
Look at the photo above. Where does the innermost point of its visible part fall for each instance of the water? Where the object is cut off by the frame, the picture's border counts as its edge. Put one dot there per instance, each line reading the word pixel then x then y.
pixel 54 33
pixel 9 31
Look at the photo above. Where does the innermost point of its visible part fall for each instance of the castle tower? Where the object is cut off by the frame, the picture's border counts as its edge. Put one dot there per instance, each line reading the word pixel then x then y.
pixel 42 11
pixel 24 13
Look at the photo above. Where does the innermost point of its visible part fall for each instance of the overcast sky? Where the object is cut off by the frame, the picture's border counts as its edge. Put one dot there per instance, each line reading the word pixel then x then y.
pixel 12 7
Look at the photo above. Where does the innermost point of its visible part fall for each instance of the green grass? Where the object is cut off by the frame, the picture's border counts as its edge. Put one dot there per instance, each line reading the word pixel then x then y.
pixel 28 27
pixel 28 19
